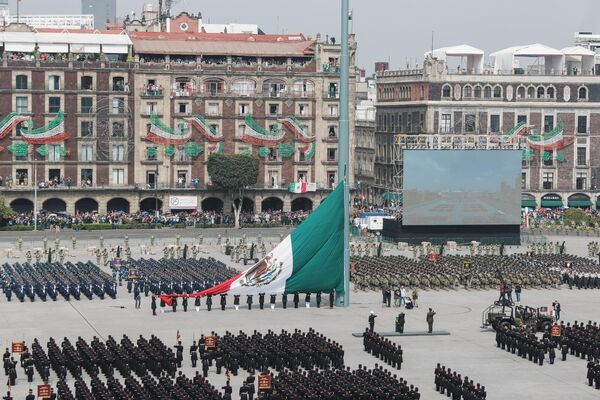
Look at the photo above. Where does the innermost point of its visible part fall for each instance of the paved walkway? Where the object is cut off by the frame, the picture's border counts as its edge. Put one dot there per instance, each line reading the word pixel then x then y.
pixel 467 349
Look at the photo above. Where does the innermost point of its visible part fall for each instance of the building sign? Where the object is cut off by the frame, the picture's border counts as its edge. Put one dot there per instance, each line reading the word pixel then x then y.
pixel 183 202
pixel 551 197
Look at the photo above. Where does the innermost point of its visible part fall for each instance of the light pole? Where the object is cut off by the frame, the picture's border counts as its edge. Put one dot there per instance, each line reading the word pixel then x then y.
pixel 156 193
pixel 35 187
pixel 344 149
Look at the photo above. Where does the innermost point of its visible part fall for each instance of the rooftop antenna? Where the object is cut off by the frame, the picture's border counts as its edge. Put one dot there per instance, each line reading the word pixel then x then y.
pixel 432 35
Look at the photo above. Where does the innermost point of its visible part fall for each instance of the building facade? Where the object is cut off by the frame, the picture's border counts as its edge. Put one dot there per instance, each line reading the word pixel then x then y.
pixel 364 149
pixel 551 112
pixel 109 121
pixel 104 11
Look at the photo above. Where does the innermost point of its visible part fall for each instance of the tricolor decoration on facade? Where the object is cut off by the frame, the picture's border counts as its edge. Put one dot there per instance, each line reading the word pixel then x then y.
pixel 259 136
pixel 51 133
pixel 19 149
pixel 8 123
pixel 308 150
pixel 303 187
pixel 205 129
pixel 162 134
pixel 518 130
pixel 554 139
pixel 292 124
pixel 192 150
pixel 216 147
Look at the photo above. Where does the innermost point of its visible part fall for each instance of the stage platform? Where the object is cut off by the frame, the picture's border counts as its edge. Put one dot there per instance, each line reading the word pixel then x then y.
pixel 414 333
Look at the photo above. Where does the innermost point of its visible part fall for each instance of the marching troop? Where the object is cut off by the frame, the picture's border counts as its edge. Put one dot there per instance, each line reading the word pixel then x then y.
pixel 49 280
pixel 451 384
pixel 477 272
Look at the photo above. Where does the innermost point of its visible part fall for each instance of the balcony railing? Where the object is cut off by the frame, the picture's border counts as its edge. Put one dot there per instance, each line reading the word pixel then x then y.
pixel 152 93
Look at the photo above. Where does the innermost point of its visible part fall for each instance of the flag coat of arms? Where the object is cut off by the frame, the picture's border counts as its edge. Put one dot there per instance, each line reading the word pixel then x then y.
pixel 310 259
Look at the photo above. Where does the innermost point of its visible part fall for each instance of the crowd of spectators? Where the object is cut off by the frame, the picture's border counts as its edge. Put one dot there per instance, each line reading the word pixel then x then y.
pixel 197 218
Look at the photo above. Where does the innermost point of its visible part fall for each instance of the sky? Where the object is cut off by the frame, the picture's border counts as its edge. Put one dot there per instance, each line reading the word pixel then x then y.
pixel 398 31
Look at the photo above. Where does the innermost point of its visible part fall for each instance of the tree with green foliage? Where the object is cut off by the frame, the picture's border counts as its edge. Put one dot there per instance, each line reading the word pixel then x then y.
pixel 233 173
pixel 577 216
pixel 5 211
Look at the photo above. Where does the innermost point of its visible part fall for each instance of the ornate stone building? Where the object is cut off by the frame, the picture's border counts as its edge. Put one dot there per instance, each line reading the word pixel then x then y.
pixel 550 109
pixel 122 121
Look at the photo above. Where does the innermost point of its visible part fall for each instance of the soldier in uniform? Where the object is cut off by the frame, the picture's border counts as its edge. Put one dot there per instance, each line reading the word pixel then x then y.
pixel 223 301
pixel 429 319
pixel 194 354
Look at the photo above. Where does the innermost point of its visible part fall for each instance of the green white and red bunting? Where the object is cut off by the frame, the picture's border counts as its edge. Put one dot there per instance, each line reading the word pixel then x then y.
pixel 554 139
pixel 51 133
pixel 216 147
pixel 162 134
pixel 8 123
pixel 310 259
pixel 205 129
pixel 518 130
pixel 292 124
pixel 259 136
pixel 309 150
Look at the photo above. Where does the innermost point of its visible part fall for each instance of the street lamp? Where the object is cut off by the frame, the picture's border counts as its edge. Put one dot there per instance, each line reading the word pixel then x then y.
pixel 35 187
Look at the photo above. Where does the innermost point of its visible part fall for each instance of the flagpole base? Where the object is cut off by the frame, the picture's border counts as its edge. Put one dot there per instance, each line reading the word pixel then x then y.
pixel 340 300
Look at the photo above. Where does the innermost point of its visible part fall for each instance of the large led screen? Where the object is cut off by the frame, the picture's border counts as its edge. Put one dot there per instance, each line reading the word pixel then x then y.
pixel 462 187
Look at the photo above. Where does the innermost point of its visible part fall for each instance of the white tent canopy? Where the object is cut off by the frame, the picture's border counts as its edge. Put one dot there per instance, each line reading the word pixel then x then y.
pixel 578 58
pixel 51 42
pixel 474 56
pixel 505 60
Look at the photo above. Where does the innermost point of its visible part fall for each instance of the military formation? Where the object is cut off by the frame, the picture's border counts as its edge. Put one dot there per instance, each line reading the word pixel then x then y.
pixel 582 340
pixel 593 249
pixel 526 344
pixel 451 384
pixel 473 272
pixel 51 280
pixel 342 384
pixel 258 352
pixel 593 374
pixel 546 248
pixel 172 276
pixel 147 367
pixel 245 250
pixel 382 348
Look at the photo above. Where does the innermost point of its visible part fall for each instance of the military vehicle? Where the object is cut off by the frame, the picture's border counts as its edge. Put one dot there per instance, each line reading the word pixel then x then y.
pixel 506 314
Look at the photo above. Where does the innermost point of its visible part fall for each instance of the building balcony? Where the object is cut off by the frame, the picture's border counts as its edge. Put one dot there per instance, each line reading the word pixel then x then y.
pixel 331 95
pixel 157 93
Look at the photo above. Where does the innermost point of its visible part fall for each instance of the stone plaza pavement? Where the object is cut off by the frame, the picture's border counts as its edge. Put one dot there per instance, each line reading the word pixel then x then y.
pixel 469 350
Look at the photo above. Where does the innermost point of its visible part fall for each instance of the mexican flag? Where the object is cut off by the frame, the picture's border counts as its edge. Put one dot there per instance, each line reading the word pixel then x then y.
pixel 303 187
pixel 308 260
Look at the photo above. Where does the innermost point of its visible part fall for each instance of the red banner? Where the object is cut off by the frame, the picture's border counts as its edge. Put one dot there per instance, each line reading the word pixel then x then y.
pixel 264 382
pixel 18 347
pixel 210 342
pixel 43 391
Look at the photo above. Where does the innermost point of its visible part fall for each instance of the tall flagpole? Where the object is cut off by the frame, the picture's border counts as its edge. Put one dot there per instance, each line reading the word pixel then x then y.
pixel 344 149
